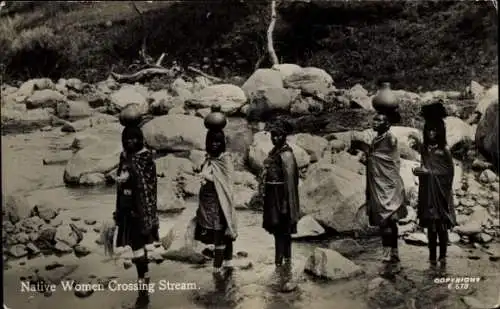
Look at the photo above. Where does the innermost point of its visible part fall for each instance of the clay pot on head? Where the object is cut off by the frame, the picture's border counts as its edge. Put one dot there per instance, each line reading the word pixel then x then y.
pixel 216 120
pixel 385 99
pixel 131 115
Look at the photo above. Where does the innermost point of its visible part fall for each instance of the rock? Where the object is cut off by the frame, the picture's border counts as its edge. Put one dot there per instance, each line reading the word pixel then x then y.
pixel 43 211
pixel 239 137
pixel 329 264
pixel 81 251
pixel 18 251
pixel 182 89
pixel 171 166
pixel 457 131
pixel 481 165
pixel 287 69
pixel 175 133
pixel 32 249
pixel 230 97
pixel 406 172
pixel 22 238
pixel 15 207
pixel 161 102
pixel 310 80
pixel 185 255
pixel 100 157
pixel 418 239
pixel 92 179
pixel 244 178
pixel 305 106
pixel 67 234
pixel 46 98
pixel 476 90
pixel 190 185
pixel 381 293
pixel 56 274
pixel 453 238
pixel 260 79
pixel 349 248
pixel 243 196
pixel 84 293
pixel 405 229
pixel 485 238
pixel 411 217
pixel 348 162
pixel 358 96
pixel 313 145
pixel 73 110
pixel 267 101
pixel 490 97
pixel 333 195
pixel 130 95
pixel 96 120
pixel 58 158
pixel 487 176
pixel 62 247
pixel 336 145
pixel 30 86
pixel 170 203
pixel 20 121
pixel 404 136
pixel 486 137
pixel 84 140
pixel 261 147
pixel 308 227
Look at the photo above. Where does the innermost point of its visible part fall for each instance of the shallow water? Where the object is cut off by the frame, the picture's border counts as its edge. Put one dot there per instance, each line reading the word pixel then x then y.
pixel 22 170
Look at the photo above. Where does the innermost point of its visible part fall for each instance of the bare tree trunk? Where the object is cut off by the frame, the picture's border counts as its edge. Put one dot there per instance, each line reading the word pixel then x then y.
pixel 270 43
pixel 142 52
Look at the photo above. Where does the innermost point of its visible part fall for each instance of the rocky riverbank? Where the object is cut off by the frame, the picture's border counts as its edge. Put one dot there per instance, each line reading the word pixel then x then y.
pixel 58 196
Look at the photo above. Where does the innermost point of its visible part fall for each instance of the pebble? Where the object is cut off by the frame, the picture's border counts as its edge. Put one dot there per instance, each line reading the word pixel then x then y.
pixel 96 229
pixel 90 222
pixel 18 251
pixel 53 265
pixel 242 254
pixel 127 264
pixel 84 293
pixel 81 251
pixel 76 218
pixel 62 248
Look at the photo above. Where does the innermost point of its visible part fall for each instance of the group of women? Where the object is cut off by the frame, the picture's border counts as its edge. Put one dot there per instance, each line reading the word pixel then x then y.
pixel 216 224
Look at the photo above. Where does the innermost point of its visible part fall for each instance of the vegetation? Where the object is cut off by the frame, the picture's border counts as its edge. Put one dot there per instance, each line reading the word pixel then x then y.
pixel 418 45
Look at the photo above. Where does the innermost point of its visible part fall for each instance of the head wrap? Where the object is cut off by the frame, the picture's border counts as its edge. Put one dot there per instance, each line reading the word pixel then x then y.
pixel 434 111
pixel 392 114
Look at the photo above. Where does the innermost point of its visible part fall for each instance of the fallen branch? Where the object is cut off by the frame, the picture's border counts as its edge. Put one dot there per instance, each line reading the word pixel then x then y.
pixel 195 70
pixel 160 59
pixel 141 75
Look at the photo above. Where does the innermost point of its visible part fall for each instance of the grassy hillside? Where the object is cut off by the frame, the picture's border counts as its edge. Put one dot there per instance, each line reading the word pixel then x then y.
pixel 416 44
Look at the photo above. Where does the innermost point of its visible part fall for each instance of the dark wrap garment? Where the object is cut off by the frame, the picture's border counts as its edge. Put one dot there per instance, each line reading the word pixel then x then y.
pixel 136 213
pixel 435 194
pixel 281 197
pixel 385 192
pixel 216 214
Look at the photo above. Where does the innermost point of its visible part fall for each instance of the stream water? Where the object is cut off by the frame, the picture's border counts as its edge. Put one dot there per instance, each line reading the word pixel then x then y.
pixel 23 171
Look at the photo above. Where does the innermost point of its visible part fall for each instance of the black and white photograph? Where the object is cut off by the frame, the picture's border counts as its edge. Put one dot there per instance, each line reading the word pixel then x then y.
pixel 250 154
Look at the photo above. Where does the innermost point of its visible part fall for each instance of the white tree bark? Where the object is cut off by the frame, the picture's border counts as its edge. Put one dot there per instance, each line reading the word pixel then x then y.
pixel 270 43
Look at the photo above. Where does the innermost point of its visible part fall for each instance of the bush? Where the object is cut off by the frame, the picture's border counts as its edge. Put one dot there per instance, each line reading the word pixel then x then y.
pixel 35 52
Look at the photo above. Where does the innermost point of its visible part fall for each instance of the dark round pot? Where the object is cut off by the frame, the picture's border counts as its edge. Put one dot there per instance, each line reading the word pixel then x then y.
pixel 216 120
pixel 131 115
pixel 385 99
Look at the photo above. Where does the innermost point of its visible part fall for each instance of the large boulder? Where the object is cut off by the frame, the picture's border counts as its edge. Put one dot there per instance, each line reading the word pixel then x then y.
pixel 329 264
pixel 14 120
pixel 230 98
pixel 310 80
pixel 333 196
pixel 99 157
pixel 358 97
pixel 15 208
pixel 44 99
pixel 239 136
pixel 266 101
pixel 261 79
pixel 486 99
pixel 487 135
pixel 130 95
pixel 175 133
pixel 313 145
pixel 32 85
pixel 457 132
pixel 287 69
pixel 261 147
pixel 73 110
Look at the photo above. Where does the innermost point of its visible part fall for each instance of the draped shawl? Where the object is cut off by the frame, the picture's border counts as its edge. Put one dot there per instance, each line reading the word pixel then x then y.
pixel 222 169
pixel 142 170
pixel 384 185
pixel 435 194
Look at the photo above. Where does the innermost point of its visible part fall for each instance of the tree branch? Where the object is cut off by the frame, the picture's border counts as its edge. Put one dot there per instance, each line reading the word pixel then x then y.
pixel 270 43
pixel 142 52
pixel 213 78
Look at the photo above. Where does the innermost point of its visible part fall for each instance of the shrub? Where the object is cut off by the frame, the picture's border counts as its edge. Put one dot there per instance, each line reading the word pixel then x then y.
pixel 35 52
